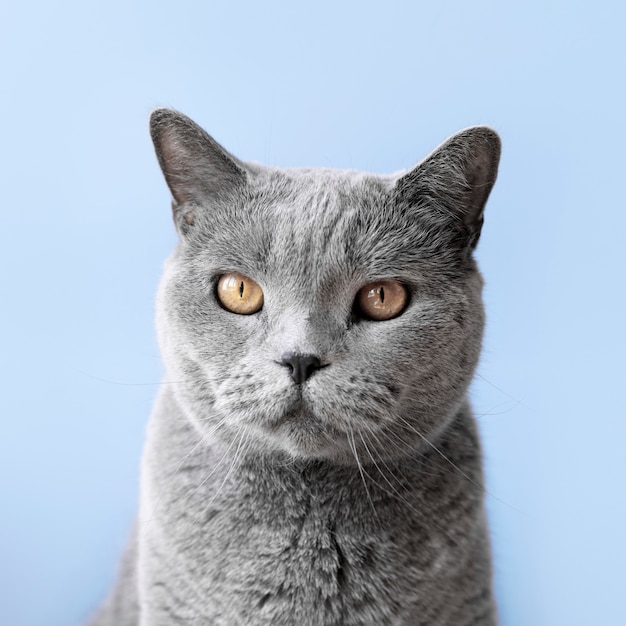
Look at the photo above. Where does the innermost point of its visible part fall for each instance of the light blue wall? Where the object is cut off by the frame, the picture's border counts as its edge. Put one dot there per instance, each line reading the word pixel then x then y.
pixel 85 226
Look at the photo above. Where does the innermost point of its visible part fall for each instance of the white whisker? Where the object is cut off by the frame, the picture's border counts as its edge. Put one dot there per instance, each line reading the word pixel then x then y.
pixel 179 465
pixel 361 470
pixel 237 457
pixel 456 467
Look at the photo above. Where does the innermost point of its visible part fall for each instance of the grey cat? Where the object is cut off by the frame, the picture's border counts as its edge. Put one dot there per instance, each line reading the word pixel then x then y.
pixel 312 459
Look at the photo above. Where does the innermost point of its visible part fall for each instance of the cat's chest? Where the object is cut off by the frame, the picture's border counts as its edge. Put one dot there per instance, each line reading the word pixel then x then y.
pixel 257 547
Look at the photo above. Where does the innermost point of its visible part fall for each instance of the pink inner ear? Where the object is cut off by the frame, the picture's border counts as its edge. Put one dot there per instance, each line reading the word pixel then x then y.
pixel 480 178
pixel 479 169
pixel 173 153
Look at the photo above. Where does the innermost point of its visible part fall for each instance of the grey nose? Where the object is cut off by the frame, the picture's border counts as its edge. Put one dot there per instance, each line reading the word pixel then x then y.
pixel 301 366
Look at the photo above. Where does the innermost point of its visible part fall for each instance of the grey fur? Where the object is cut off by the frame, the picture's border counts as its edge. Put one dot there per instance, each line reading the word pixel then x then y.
pixel 357 497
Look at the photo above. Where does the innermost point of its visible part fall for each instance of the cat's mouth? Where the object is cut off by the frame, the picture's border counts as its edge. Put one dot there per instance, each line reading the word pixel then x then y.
pixel 298 412
pixel 301 433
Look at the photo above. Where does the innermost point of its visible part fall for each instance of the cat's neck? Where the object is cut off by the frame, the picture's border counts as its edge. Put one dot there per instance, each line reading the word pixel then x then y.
pixel 205 472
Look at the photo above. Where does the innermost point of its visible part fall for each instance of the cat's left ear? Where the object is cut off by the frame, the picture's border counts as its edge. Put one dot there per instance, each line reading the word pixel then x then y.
pixel 457 177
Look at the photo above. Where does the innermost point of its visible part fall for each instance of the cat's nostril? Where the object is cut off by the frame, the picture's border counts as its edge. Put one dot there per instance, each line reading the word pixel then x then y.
pixel 301 366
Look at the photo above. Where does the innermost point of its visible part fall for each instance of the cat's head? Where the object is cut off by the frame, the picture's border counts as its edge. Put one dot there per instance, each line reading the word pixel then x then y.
pixel 322 313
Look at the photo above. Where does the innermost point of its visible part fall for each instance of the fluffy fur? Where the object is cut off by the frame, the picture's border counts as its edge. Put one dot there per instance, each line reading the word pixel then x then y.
pixel 356 497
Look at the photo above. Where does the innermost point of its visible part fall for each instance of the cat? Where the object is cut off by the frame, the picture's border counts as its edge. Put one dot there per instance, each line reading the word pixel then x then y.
pixel 312 458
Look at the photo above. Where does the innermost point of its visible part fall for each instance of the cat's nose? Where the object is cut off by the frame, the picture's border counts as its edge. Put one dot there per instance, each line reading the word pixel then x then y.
pixel 301 366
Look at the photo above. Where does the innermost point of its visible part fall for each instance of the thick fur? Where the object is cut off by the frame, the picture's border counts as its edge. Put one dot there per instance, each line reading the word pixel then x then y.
pixel 355 498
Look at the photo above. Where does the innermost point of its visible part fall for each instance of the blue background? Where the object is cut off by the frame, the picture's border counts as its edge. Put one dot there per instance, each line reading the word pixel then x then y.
pixel 85 226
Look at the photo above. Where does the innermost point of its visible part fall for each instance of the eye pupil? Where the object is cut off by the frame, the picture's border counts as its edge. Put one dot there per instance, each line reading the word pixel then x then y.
pixel 241 289
pixel 382 295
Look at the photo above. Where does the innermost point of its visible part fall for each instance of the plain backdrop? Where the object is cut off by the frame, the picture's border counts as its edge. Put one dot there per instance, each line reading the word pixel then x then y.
pixel 85 226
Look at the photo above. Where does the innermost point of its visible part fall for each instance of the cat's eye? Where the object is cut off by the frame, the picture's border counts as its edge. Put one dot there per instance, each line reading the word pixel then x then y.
pixel 239 294
pixel 382 300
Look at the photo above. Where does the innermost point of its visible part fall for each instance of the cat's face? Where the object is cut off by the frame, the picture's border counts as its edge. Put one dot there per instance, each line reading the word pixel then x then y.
pixel 271 315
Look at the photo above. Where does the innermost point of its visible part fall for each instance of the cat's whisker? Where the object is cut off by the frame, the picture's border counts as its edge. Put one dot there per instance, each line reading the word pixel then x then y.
pixel 210 474
pixel 395 493
pixel 402 446
pixel 160 383
pixel 200 515
pixel 481 486
pixel 430 521
pixel 235 463
pixel 517 400
pixel 205 436
pixel 428 442
pixel 491 411
pixel 362 472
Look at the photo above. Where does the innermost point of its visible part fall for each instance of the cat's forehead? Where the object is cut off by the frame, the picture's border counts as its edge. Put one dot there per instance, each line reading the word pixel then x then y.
pixel 315 198
pixel 312 219
pixel 288 218
pixel 314 225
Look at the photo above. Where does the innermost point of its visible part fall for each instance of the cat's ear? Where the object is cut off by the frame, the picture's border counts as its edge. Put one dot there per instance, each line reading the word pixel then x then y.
pixel 457 177
pixel 196 168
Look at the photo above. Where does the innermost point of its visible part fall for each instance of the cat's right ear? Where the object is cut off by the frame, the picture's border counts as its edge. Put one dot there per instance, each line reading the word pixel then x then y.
pixel 196 168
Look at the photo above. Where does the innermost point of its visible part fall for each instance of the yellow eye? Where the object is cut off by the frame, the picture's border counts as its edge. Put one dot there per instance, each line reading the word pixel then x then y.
pixel 382 300
pixel 239 294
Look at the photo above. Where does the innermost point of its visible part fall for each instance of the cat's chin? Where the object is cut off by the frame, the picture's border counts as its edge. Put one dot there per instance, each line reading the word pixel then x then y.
pixel 306 448
pixel 302 435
